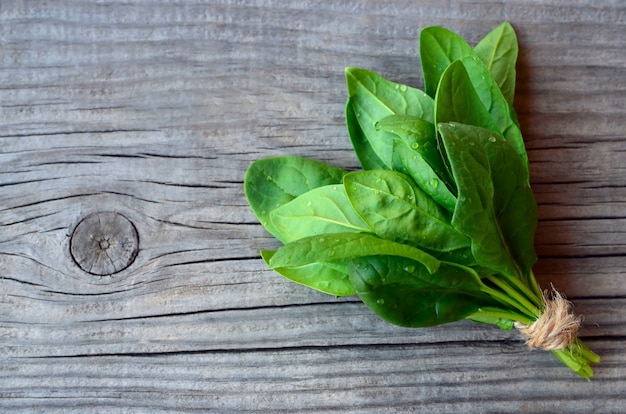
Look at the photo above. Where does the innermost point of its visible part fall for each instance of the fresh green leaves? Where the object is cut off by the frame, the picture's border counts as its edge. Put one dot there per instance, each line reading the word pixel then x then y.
pixel 439 224
pixel 404 293
pixel 373 98
pixel 496 208
pixel 396 209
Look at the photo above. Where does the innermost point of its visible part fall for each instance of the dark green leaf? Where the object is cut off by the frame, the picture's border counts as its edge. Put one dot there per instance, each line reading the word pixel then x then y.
pixel 325 209
pixel 272 182
pixel 439 47
pixel 345 246
pixel 403 292
pixel 495 208
pixel 498 50
pixel 374 98
pixel 331 278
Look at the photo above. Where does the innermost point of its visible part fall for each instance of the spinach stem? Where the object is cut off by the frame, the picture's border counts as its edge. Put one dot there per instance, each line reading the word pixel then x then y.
pixel 504 314
pixel 515 295
pixel 507 300
pixel 534 285
pixel 526 291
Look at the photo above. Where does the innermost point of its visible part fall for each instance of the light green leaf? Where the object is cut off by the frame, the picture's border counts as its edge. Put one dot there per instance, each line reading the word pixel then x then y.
pixel 498 50
pixel 457 100
pixel 365 153
pixel 374 98
pixel 325 209
pixel 345 246
pixel 500 110
pixel 439 47
pixel 330 278
pixel 398 210
pixel 272 182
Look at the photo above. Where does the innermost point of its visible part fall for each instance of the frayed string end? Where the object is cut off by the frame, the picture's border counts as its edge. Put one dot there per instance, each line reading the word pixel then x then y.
pixel 556 328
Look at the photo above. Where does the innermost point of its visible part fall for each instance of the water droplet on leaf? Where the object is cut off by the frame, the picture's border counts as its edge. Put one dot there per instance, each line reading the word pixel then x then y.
pixel 380 301
pixel 492 139
pixel 415 145
pixel 434 183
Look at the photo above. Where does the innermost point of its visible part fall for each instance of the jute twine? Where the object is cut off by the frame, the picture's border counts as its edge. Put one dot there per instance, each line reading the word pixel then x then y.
pixel 556 328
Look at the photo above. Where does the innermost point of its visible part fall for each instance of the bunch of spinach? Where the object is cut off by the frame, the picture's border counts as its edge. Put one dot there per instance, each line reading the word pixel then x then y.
pixel 439 224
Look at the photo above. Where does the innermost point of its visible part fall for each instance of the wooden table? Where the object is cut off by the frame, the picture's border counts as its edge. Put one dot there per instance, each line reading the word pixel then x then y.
pixel 150 112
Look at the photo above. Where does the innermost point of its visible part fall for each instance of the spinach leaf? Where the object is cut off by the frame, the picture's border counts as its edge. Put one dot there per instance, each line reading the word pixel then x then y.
pixel 403 292
pixel 325 209
pixel 374 98
pixel 439 47
pixel 421 137
pixel 495 208
pixel 362 147
pixel 330 278
pixel 458 101
pixel 498 50
pixel 406 161
pixel 494 101
pixel 345 246
pixel 398 210
pixel 272 182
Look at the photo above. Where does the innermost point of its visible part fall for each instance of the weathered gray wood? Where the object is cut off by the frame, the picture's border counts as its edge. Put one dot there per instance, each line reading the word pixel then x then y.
pixel 155 109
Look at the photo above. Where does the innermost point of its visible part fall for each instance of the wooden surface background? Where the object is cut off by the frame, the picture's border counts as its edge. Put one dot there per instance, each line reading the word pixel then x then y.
pixel 154 110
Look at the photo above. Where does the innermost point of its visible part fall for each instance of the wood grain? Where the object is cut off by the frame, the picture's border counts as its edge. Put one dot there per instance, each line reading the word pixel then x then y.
pixel 154 110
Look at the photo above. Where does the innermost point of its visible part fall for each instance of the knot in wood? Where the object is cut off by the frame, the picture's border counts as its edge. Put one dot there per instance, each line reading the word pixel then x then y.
pixel 104 243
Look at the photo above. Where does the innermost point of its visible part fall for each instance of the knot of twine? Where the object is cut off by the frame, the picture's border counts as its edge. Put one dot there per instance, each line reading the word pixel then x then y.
pixel 556 328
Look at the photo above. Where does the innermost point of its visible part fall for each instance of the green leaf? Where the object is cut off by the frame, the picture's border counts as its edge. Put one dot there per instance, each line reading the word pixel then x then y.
pixel 374 98
pixel 403 292
pixel 420 136
pixel 495 208
pixel 457 100
pixel 494 101
pixel 416 153
pixel 406 161
pixel 328 278
pixel 362 147
pixel 439 47
pixel 345 246
pixel 325 209
pixel 498 50
pixel 398 210
pixel 272 182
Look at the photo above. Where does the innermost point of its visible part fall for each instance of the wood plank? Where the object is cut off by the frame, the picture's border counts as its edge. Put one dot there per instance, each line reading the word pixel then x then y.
pixel 154 110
